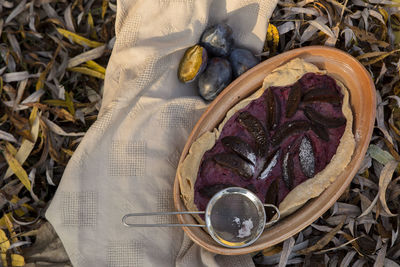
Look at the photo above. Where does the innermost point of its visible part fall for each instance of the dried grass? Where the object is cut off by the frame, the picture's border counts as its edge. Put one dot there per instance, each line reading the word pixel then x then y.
pixel 52 58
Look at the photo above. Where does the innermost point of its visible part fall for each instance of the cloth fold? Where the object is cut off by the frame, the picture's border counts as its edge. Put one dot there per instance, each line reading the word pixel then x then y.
pixel 127 160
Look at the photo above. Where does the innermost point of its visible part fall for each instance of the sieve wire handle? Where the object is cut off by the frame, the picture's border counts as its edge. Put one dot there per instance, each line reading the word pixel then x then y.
pixel 160 224
pixel 277 212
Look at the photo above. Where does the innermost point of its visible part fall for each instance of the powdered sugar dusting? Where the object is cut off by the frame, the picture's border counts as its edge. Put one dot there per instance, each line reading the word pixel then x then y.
pixel 285 166
pixel 306 157
pixel 268 169
pixel 245 230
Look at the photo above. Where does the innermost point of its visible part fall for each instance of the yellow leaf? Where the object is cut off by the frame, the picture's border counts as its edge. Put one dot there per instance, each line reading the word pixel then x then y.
pixel 33 116
pixel 17 260
pixel 22 31
pixel 40 82
pixel 90 20
pixel 88 71
pixel 42 77
pixel 63 114
pixel 15 199
pixel 10 227
pixel 27 146
pixel 17 169
pixel 79 39
pixel 104 6
pixel 4 259
pixel 11 148
pixel 70 103
pixel 19 212
pixel 95 66
pixel 4 241
pixel 384 14
pixel 55 102
pixel 67 151
pixel 272 38
pixel 93 34
pixel 3 220
pixel 365 174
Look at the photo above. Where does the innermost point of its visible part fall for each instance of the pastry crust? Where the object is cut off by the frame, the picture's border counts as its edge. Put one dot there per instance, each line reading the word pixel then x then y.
pixel 287 74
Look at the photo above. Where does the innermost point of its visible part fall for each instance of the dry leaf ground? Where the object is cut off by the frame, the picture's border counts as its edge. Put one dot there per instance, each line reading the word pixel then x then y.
pixel 52 66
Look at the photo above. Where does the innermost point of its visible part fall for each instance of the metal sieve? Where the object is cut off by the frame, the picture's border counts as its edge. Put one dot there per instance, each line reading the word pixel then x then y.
pixel 235 217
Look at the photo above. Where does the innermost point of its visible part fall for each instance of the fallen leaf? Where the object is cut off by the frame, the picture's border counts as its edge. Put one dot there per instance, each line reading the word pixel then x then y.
pixel 7 137
pixel 92 30
pixel 27 146
pixel 86 56
pixel 286 27
pixel 379 154
pixel 384 180
pixel 272 39
pixel 16 76
pixel 347 259
pixel 288 245
pixel 58 130
pixel 323 241
pixel 79 39
pixel 104 6
pixel 344 245
pixel 88 71
pixel 16 260
pixel 17 169
pixel 312 30
pixel 380 259
pixel 69 23
pixel 17 10
pixel 380 57
pixel 42 77
pixel 4 241
pixel 322 27
pixel 95 66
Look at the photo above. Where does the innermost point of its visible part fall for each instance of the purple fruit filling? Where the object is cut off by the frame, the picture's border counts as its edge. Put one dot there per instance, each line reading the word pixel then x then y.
pixel 252 153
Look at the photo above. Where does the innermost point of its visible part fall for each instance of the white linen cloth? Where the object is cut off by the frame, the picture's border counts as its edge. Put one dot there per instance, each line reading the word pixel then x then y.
pixel 127 160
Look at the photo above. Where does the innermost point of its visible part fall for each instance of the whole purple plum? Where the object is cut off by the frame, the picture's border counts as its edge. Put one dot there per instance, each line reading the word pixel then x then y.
pixel 218 40
pixel 242 60
pixel 215 78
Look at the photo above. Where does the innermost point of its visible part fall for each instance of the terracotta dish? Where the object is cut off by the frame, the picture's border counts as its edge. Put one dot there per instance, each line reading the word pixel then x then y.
pixel 340 66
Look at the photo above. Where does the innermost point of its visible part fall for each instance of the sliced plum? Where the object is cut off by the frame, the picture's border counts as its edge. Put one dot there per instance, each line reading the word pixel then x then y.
pixel 240 147
pixel 236 164
pixel 255 128
pixel 318 118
